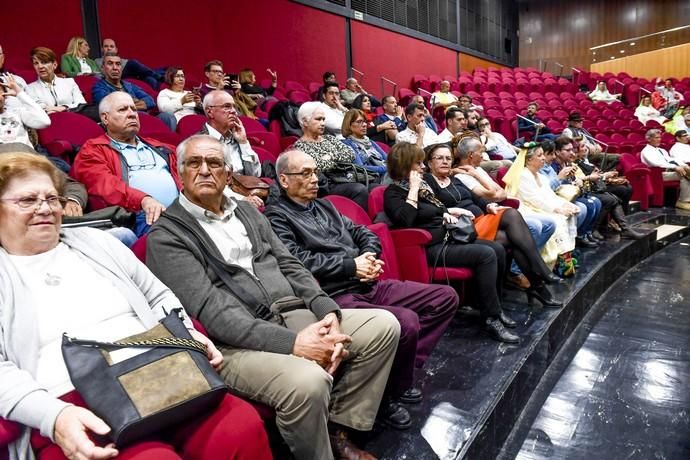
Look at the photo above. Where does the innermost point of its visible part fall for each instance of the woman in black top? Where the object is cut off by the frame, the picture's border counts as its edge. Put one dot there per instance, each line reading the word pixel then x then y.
pixel 410 202
pixel 501 224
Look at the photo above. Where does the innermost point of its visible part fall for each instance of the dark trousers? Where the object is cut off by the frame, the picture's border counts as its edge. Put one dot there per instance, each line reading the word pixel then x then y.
pixel 623 192
pixel 424 312
pixel 135 69
pixel 487 259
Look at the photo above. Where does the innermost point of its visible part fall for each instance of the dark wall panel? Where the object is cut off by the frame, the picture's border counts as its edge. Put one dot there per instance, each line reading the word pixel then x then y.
pixel 564 31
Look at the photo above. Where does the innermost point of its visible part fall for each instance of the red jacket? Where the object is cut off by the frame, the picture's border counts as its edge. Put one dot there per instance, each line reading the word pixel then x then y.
pixel 99 167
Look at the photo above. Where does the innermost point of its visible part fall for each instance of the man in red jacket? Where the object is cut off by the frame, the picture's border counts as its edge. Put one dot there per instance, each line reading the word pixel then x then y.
pixel 123 169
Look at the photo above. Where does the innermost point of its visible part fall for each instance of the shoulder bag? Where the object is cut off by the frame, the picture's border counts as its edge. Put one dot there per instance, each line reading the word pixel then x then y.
pixel 169 382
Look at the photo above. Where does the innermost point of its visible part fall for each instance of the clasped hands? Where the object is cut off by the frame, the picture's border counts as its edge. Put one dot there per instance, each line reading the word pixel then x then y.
pixel 368 267
pixel 323 343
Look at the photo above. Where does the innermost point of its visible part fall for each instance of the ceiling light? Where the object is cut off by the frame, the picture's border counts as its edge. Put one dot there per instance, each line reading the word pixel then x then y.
pixel 632 43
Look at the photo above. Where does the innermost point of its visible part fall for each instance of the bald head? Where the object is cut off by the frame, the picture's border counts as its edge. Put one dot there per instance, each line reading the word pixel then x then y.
pixel 119 116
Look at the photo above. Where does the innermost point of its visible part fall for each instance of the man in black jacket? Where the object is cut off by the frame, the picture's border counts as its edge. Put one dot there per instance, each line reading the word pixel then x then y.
pixel 344 258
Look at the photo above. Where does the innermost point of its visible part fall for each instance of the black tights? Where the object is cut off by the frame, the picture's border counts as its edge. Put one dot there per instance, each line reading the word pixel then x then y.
pixel 514 234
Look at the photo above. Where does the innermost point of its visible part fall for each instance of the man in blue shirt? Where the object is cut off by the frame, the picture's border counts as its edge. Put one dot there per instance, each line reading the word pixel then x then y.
pixel 112 81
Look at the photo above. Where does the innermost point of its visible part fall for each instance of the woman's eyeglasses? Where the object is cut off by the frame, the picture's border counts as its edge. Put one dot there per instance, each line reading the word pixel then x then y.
pixel 359 122
pixel 55 202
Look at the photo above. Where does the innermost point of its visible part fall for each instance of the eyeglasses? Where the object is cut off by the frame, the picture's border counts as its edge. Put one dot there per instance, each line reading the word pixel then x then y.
pixel 34 202
pixel 216 71
pixel 444 158
pixel 306 173
pixel 212 163
pixel 483 125
pixel 359 122
pixel 225 107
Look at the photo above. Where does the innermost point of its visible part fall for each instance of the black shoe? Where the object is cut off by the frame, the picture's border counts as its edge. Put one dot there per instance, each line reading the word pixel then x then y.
pixel 631 234
pixel 597 236
pixel 507 320
pixel 498 332
pixel 394 415
pixel 544 296
pixel 583 242
pixel 552 278
pixel 411 396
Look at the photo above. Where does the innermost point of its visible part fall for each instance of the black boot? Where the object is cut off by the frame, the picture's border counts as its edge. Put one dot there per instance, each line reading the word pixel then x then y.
pixel 626 231
pixel 543 295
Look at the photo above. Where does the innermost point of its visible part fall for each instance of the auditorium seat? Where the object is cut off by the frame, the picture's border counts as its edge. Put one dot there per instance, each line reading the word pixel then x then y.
pixel 67 133
pixel 265 140
pixel 190 125
pixel 85 84
pixel 155 128
pixel 251 125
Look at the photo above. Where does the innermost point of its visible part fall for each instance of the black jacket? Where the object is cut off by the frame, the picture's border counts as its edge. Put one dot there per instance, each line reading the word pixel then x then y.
pixel 323 240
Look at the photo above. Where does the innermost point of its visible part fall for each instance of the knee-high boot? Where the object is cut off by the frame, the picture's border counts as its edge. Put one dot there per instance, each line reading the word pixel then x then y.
pixel 626 231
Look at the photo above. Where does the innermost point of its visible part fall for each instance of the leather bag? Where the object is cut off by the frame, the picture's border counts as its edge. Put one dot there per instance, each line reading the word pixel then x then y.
pixel 349 173
pixel 169 382
pixel 462 231
pixel 249 186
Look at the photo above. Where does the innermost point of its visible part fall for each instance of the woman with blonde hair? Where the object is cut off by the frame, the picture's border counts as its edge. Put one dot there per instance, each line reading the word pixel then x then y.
pixel 76 60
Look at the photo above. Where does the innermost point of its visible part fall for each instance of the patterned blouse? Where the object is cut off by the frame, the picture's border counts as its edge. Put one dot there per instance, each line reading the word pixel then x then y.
pixel 327 152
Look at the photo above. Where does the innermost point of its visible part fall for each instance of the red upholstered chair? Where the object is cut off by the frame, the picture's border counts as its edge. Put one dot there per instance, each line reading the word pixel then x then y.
pixel 294 86
pixel 145 86
pixel 299 97
pixel 265 140
pixel 85 84
pixel 67 133
pixel 9 431
pixel 287 141
pixel 405 96
pixel 155 128
pixel 251 125
pixel 640 180
pixel 264 154
pixel 385 147
pixel 190 125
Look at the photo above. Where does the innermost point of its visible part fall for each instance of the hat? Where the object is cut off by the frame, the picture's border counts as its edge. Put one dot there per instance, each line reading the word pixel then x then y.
pixel 681 133
pixel 575 116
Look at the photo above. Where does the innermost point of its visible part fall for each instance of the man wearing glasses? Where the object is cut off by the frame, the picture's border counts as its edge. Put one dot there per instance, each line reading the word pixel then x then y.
pixel 282 337
pixel 345 260
pixel 120 168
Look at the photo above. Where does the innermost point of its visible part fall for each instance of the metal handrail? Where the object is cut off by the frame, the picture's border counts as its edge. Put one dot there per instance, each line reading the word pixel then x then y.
pixel 517 127
pixel 358 72
pixel 560 68
pixel 386 80
pixel 604 153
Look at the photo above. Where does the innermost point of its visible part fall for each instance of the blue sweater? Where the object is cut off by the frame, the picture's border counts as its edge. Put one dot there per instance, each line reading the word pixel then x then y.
pixel 102 88
pixel 362 158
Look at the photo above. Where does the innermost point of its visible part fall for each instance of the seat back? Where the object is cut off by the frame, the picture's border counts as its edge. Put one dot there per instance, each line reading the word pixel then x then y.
pixel 349 209
pixel 391 269
pixel 190 125
pixel 251 125
pixel 265 140
pixel 70 127
pixel 376 201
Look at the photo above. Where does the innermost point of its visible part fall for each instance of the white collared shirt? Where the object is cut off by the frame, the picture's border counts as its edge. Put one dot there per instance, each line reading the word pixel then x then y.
pixel 227 231
pixel 411 136
pixel 238 153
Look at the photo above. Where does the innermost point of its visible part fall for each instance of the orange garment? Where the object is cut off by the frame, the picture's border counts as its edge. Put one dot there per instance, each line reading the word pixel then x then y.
pixel 486 225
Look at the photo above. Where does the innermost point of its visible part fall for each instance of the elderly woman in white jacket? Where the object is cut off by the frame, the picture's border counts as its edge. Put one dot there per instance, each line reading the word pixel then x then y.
pixel 79 281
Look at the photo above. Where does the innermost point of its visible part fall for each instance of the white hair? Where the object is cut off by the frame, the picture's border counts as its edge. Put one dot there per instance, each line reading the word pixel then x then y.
pixel 184 145
pixel 306 111
pixel 106 104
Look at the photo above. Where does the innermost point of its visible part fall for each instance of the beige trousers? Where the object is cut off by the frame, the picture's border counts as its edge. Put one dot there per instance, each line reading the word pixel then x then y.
pixel 304 395
pixel 684 194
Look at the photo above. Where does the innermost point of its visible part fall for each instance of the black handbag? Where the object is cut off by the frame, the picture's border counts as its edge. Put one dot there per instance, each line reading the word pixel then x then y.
pixel 462 231
pixel 168 383
pixel 349 173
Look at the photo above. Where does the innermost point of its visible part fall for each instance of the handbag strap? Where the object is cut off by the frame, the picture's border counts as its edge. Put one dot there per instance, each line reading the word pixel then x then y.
pixel 163 342
pixel 259 308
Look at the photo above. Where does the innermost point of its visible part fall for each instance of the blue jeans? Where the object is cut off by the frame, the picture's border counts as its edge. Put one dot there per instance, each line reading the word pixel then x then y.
pixel 169 120
pixel 541 227
pixel 125 235
pixel 141 228
pixel 589 210
pixel 135 69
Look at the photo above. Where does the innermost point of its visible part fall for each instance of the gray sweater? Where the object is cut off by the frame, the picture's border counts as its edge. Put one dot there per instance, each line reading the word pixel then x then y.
pixel 175 257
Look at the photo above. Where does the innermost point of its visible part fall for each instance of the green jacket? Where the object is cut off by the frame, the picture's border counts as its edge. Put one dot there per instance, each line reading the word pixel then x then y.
pixel 70 65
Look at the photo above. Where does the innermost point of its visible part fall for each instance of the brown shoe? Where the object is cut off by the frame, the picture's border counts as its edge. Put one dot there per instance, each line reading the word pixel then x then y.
pixel 344 449
pixel 518 281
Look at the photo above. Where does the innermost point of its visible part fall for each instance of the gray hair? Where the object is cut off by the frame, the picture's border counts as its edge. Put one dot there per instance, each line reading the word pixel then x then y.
pixel 283 161
pixel 184 145
pixel 211 97
pixel 466 146
pixel 306 111
pixel 108 54
pixel 651 133
pixel 106 104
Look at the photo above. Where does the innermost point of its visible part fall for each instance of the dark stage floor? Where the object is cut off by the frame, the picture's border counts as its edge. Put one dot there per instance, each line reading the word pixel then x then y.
pixel 476 390
pixel 626 393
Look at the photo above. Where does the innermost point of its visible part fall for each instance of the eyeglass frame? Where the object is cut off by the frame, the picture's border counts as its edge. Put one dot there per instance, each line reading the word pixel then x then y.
pixel 305 173
pixel 202 161
pixel 38 202
pixel 227 107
